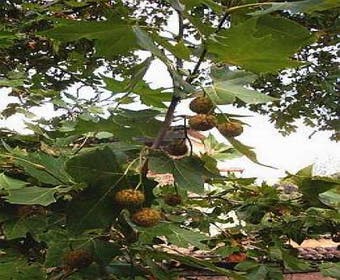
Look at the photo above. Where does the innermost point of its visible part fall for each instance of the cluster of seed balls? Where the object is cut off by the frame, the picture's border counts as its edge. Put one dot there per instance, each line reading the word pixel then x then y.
pixel 145 217
pixel 205 119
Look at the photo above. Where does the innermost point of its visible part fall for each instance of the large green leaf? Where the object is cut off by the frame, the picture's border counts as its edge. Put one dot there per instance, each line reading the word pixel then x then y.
pixel 6 38
pixel 32 195
pixel 245 150
pixel 330 270
pixel 20 269
pixel 260 44
pixel 94 167
pixel 94 207
pixel 229 85
pixel 331 198
pixel 45 168
pixel 188 172
pixel 111 37
pixel 125 125
pixel 18 228
pixel 306 6
pixel 148 96
pixel 8 183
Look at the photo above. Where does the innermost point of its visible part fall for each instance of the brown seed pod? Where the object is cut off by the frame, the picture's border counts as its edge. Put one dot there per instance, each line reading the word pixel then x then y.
pixel 78 259
pixel 30 210
pixel 146 217
pixel 230 129
pixel 202 122
pixel 129 198
pixel 178 148
pixel 173 199
pixel 201 105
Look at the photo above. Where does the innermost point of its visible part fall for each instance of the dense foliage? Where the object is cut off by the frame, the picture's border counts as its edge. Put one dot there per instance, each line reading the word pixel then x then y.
pixel 81 196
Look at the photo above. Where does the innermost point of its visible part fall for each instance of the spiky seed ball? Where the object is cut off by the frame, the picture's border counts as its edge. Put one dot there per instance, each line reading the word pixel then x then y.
pixel 177 148
pixel 202 122
pixel 201 105
pixel 146 217
pixel 173 199
pixel 30 210
pixel 78 259
pixel 129 197
pixel 230 129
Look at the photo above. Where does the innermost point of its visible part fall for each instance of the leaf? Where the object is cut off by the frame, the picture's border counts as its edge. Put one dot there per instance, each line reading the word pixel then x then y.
pixel 194 262
pixel 150 97
pixel 20 269
pixel 112 37
pixel 312 186
pixel 18 228
pixel 306 6
pixel 6 38
pixel 245 150
pixel 94 167
pixel 8 183
pixel 32 195
pixel 94 207
pixel 331 198
pixel 183 237
pixel 188 172
pixel 230 85
pixel 260 44
pixel 125 125
pixel 45 168
pixel 293 263
pixel 330 270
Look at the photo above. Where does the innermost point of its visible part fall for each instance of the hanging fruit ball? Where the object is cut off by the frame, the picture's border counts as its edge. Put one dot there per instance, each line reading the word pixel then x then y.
pixel 78 259
pixel 178 148
pixel 202 122
pixel 230 129
pixel 146 217
pixel 201 105
pixel 173 199
pixel 129 198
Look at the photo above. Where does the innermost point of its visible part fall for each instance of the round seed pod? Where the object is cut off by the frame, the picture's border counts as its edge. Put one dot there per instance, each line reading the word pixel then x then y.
pixel 202 122
pixel 173 199
pixel 177 148
pixel 201 105
pixel 129 198
pixel 78 259
pixel 146 217
pixel 230 129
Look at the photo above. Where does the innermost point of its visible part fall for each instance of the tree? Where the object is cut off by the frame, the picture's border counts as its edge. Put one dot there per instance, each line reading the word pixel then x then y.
pixel 79 197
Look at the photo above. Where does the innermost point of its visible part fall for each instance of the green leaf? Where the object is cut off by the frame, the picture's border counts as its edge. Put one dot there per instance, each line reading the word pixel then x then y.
pixel 218 150
pixel 94 207
pixel 150 97
pixel 183 237
pixel 293 263
pixel 306 6
pixel 194 262
pixel 6 38
pixel 140 124
pixel 8 183
pixel 331 198
pixel 32 195
pixel 260 44
pixel 229 85
pixel 245 150
pixel 94 167
pixel 330 270
pixel 20 269
pixel 45 168
pixel 18 228
pixel 188 172
pixel 111 37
